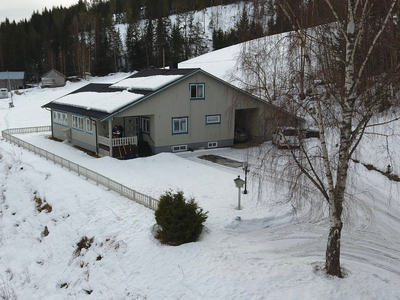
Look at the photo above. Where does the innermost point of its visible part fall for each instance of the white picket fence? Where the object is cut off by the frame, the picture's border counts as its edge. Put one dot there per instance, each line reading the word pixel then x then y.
pixel 78 169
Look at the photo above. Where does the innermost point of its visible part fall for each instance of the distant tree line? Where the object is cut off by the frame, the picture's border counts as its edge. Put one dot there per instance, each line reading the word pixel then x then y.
pixel 84 37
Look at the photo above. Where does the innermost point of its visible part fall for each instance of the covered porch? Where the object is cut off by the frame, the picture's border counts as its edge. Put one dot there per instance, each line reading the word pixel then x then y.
pixel 130 144
pixel 121 147
pixel 124 147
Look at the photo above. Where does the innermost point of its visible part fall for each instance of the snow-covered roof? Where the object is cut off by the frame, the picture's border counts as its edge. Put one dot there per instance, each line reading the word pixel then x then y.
pixel 106 102
pixel 149 83
pixel 53 71
pixel 109 98
pixel 12 75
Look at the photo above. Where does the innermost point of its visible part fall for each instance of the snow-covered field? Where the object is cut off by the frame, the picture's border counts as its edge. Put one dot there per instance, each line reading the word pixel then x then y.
pixel 270 254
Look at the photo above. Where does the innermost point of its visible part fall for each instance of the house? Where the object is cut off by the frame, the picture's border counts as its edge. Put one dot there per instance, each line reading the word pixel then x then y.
pixel 13 80
pixel 53 78
pixel 164 110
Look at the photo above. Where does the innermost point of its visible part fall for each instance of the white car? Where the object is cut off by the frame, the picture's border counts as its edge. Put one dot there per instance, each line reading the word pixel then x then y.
pixel 287 137
pixel 3 93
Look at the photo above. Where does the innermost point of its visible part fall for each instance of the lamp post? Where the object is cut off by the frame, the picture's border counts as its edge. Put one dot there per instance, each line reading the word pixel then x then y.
pixel 246 169
pixel 239 184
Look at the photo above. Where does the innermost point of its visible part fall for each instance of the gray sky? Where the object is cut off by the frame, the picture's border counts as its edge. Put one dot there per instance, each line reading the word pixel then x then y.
pixel 21 9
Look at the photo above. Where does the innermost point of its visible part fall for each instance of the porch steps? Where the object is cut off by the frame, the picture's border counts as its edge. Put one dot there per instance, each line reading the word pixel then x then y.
pixel 144 149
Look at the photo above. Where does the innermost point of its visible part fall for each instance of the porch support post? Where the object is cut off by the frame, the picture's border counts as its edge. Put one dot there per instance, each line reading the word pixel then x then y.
pixel 110 137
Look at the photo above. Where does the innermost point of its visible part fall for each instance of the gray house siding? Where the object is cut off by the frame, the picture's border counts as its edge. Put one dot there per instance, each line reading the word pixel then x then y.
pixel 81 137
pixel 219 100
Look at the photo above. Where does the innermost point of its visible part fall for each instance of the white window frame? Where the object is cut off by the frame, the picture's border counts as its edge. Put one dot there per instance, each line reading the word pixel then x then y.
pixel 199 90
pixel 212 145
pixel 77 122
pixel 213 119
pixel 60 118
pixel 89 125
pixel 145 125
pixel 65 119
pixel 55 116
pixel 179 148
pixel 182 123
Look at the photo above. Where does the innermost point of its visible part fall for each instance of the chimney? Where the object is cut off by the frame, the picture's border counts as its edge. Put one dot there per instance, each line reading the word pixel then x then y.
pixel 173 65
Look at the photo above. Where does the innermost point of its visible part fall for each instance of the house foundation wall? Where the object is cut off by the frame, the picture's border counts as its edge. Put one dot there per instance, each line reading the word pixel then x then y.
pixel 193 146
pixel 83 145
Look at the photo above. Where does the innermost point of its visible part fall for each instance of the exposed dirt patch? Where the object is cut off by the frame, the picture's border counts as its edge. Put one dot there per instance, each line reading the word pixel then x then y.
pixel 222 160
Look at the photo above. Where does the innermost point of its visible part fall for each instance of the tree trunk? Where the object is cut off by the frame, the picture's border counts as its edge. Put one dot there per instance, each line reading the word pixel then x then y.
pixel 332 257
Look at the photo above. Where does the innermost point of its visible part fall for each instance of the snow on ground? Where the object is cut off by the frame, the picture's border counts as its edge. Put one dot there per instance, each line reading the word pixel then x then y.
pixel 270 254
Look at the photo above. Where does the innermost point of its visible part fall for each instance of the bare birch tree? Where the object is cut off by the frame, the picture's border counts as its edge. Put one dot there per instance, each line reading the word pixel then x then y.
pixel 345 91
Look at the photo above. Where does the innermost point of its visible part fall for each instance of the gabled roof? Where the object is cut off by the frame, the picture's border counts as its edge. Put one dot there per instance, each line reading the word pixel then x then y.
pixel 12 75
pixel 103 100
pixel 53 70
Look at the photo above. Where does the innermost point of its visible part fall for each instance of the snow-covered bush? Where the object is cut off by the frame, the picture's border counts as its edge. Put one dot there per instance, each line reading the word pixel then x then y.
pixel 180 221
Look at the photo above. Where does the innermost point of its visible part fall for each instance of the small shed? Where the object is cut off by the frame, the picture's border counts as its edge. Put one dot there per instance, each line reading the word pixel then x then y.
pixel 13 80
pixel 53 78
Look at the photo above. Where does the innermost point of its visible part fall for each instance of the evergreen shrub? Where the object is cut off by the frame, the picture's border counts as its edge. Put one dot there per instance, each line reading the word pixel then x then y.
pixel 180 220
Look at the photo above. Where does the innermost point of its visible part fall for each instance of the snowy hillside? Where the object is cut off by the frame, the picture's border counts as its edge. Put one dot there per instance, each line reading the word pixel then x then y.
pixel 95 244
pixel 222 17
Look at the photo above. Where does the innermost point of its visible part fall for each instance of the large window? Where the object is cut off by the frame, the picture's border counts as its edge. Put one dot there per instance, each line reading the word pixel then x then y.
pixel 77 122
pixel 60 118
pixel 197 91
pixel 179 125
pixel 213 119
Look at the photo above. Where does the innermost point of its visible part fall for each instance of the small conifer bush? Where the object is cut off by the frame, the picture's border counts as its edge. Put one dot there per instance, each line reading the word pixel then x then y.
pixel 180 221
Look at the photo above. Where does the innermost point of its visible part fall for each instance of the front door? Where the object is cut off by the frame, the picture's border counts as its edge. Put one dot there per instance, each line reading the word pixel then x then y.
pixel 132 126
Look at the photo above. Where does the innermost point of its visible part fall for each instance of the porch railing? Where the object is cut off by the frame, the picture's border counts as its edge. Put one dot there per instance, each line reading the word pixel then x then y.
pixel 129 140
pixel 110 184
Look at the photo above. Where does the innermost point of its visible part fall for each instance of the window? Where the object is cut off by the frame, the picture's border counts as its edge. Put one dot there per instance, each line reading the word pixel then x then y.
pixel 65 119
pixel 60 118
pixel 179 148
pixel 213 119
pixel 89 125
pixel 197 91
pixel 77 122
pixel 55 117
pixel 146 125
pixel 179 125
pixel 212 145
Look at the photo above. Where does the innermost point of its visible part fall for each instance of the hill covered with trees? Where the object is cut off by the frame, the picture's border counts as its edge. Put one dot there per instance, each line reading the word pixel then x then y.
pixel 86 37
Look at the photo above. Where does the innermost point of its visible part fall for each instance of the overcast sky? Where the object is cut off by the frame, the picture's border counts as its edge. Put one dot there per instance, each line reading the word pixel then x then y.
pixel 21 9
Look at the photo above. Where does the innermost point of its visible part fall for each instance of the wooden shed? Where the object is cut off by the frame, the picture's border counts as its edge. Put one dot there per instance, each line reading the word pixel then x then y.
pixel 13 80
pixel 53 78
